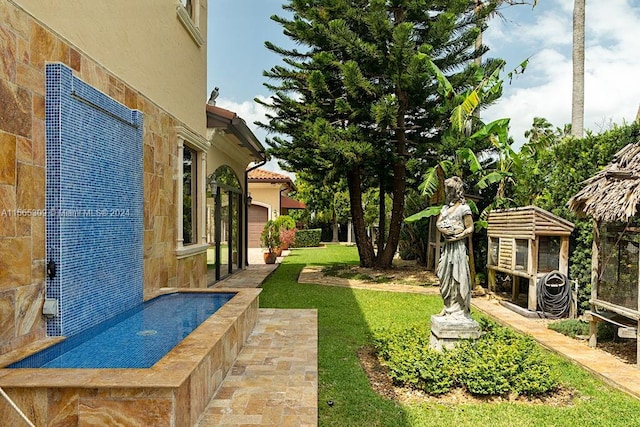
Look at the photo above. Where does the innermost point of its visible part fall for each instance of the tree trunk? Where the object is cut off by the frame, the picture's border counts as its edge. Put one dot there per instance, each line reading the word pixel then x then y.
pixel 382 214
pixel 385 258
pixel 577 100
pixel 363 242
pixel 334 226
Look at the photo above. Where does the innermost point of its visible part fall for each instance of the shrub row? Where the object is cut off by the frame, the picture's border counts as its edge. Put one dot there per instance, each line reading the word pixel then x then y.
pixel 499 363
pixel 307 238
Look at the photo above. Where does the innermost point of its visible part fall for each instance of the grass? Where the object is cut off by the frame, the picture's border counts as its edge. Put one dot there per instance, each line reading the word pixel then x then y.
pixel 345 319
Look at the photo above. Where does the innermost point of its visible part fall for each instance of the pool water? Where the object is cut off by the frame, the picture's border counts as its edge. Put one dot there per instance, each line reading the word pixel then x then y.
pixel 136 338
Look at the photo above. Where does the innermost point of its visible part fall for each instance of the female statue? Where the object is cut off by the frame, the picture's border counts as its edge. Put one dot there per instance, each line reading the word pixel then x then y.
pixel 455 223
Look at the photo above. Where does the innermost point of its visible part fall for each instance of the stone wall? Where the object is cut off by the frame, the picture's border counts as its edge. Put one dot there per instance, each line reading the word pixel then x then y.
pixel 26 45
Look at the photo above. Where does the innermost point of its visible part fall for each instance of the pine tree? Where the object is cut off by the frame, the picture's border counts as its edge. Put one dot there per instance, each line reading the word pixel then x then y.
pixel 357 100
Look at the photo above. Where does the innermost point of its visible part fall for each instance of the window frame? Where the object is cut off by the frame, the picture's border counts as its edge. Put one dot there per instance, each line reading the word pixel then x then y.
pixel 200 146
pixel 191 21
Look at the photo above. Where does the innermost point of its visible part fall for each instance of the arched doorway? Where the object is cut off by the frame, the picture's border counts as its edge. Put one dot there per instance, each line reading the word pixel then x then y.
pixel 225 207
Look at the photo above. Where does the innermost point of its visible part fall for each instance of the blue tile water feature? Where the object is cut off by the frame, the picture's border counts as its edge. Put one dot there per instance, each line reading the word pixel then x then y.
pixel 94 203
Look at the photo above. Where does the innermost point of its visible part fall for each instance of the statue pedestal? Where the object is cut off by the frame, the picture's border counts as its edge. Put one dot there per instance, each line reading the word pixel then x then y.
pixel 446 331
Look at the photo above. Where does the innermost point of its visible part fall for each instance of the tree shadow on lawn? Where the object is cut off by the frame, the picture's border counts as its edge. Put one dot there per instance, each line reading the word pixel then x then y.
pixel 345 397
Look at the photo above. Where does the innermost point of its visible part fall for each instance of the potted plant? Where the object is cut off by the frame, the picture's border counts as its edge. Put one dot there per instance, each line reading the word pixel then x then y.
pixel 286 227
pixel 270 239
pixel 287 236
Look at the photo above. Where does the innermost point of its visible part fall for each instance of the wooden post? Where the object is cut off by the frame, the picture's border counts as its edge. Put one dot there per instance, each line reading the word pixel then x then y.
pixel 491 278
pixel 563 263
pixel 515 288
pixel 532 303
pixel 595 268
pixel 638 325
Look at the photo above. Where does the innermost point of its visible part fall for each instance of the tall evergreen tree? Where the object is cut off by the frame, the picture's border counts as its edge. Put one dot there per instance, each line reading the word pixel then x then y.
pixel 358 99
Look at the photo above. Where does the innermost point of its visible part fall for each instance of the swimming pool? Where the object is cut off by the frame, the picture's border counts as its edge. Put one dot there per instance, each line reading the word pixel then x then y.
pixel 136 338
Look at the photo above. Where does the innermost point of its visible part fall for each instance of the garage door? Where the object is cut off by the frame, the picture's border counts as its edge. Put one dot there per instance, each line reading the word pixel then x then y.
pixel 257 219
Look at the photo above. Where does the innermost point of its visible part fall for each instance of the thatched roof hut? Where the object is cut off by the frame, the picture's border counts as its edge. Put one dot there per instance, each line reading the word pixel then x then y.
pixel 613 194
pixel 611 198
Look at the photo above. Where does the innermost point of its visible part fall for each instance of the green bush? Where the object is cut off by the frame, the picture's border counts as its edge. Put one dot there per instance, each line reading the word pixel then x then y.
pixel 498 363
pixel 503 362
pixel 411 362
pixel 574 327
pixel 285 222
pixel 307 238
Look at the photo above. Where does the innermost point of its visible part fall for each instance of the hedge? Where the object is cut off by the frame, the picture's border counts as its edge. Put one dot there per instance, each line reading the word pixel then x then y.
pixel 307 238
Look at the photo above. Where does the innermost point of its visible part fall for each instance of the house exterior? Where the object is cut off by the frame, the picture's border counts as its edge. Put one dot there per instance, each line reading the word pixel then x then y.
pixel 269 199
pixel 233 147
pixel 140 66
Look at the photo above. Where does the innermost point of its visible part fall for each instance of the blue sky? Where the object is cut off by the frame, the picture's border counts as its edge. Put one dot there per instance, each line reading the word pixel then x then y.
pixel 237 58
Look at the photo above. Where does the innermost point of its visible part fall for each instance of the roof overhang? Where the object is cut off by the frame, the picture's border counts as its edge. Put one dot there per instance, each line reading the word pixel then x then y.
pixel 289 203
pixel 230 123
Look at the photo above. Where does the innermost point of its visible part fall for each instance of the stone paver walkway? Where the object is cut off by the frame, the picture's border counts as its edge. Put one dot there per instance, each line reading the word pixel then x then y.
pixel 274 380
pixel 623 376
pixel 250 277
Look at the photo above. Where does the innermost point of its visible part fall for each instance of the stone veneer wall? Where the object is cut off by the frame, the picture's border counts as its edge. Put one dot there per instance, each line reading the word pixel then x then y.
pixel 26 45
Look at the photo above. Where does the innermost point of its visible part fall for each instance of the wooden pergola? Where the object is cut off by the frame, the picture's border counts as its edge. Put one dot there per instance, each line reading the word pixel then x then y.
pixel 526 242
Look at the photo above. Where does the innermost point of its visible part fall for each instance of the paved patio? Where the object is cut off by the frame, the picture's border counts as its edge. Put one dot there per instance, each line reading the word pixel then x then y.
pixel 274 380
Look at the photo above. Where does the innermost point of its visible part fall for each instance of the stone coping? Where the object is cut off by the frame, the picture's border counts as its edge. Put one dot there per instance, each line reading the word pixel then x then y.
pixel 171 371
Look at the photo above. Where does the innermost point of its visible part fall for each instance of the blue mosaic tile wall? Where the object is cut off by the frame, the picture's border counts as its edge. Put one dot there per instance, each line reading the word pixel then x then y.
pixel 94 203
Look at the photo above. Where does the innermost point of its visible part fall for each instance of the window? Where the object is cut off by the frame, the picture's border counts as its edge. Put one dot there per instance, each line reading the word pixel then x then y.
pixel 522 254
pixel 493 250
pixel 548 253
pixel 189 196
pixel 188 6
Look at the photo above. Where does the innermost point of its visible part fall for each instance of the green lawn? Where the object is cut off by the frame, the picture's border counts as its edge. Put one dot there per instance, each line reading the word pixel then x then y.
pixel 345 318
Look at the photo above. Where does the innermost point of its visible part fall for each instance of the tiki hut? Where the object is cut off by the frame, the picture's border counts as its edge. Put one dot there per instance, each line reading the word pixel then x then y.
pixel 611 198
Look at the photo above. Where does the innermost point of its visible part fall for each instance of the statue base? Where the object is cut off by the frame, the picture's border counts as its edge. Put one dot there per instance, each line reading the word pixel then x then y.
pixel 446 331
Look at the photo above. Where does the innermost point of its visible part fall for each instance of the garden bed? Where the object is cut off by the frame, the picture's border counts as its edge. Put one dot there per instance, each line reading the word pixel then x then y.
pixel 382 384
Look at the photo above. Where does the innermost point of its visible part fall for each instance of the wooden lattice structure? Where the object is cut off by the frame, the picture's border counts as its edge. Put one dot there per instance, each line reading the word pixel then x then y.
pixel 528 243
pixel 611 198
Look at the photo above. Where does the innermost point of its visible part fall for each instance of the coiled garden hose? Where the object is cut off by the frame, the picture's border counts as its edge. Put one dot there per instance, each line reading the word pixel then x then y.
pixel 554 295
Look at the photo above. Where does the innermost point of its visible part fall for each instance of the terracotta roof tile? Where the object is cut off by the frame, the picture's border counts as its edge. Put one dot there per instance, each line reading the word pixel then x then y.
pixel 267 176
pixel 227 114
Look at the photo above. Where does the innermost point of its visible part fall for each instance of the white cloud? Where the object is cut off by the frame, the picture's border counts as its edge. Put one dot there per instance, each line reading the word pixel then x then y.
pixel 251 112
pixel 611 67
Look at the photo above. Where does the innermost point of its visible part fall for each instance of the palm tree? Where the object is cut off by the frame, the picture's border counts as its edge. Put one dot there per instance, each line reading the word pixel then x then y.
pixel 577 99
